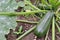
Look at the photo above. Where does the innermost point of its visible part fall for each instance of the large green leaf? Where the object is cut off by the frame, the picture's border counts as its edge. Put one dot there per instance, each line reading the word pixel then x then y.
pixel 7 22
pixel 21 4
pixel 8 5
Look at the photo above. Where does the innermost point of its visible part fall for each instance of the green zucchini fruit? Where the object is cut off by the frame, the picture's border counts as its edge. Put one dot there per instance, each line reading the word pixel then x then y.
pixel 43 25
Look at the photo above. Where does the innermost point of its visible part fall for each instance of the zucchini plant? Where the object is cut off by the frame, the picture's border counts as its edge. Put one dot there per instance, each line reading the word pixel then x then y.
pixel 8 16
pixel 43 26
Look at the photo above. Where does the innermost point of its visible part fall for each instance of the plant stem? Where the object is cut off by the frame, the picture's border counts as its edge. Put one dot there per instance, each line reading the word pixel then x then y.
pixel 57 13
pixel 21 13
pixel 26 33
pixel 26 21
pixel 53 28
pixel 32 5
pixel 58 27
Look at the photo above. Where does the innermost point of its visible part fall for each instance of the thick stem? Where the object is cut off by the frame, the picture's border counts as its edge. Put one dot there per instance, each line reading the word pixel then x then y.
pixel 53 28
pixel 32 5
pixel 58 27
pixel 27 21
pixel 21 13
pixel 26 33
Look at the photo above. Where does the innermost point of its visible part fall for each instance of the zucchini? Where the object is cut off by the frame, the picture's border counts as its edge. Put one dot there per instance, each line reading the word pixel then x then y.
pixel 43 25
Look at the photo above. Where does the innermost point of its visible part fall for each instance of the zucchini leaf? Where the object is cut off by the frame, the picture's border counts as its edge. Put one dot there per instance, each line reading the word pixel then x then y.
pixel 7 22
pixel 21 4
pixel 8 5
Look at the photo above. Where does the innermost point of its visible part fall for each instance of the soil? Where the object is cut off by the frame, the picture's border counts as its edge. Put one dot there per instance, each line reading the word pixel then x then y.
pixel 27 26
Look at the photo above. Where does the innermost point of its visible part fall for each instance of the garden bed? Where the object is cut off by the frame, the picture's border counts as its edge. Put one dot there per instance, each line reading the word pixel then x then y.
pixel 31 19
